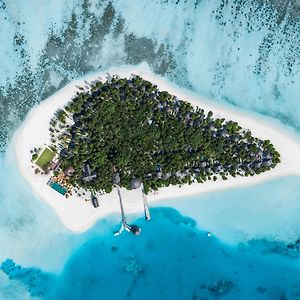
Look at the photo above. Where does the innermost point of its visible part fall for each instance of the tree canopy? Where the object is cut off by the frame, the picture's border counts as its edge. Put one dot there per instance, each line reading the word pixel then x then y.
pixel 130 127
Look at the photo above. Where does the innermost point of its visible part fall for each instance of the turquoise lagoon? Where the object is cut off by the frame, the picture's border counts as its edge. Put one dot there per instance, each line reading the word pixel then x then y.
pixel 245 53
pixel 172 259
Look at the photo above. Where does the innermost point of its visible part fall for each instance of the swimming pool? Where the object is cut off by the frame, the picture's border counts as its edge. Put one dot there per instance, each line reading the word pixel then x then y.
pixel 58 188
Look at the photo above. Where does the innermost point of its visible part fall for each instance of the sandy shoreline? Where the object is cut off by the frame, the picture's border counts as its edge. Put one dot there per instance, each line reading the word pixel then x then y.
pixel 78 215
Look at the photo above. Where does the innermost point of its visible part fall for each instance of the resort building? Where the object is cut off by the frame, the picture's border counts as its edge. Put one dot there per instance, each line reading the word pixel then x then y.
pixel 95 201
pixel 69 171
pixel 88 175
pixel 54 165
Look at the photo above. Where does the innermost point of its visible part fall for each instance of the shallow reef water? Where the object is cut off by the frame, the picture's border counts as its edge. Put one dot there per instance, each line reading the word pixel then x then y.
pixel 242 52
pixel 171 259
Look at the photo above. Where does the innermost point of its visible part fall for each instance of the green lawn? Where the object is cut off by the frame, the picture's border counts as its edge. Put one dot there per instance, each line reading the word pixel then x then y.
pixel 45 158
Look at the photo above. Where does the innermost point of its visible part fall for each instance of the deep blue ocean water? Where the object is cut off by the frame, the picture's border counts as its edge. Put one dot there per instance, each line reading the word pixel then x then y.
pixel 172 259
pixel 244 53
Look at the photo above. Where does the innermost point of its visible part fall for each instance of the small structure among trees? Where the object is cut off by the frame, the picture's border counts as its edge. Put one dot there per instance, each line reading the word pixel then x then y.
pixel 128 129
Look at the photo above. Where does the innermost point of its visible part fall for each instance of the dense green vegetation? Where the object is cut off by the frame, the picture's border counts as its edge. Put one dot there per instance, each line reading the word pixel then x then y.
pixel 129 126
pixel 34 156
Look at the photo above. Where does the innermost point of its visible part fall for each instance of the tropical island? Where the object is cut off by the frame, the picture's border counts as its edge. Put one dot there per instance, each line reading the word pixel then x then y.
pixel 104 135
pixel 127 127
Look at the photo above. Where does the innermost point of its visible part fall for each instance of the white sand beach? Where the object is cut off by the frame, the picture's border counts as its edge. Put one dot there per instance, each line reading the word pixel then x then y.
pixel 78 215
